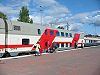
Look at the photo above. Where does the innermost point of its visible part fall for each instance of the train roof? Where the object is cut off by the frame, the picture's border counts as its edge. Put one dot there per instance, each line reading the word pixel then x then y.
pixel 27 28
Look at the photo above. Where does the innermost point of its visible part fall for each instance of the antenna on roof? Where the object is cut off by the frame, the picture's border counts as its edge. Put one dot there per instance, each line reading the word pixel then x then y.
pixel 67 26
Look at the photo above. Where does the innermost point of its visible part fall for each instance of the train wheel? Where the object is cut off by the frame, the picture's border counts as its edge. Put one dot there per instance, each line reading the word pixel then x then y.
pixel 6 54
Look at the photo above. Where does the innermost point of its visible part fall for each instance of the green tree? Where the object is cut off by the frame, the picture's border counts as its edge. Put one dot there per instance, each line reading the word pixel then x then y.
pixel 31 21
pixel 3 16
pixel 24 15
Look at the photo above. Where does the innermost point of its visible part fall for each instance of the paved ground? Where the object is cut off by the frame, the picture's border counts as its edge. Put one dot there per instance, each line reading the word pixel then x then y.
pixel 77 62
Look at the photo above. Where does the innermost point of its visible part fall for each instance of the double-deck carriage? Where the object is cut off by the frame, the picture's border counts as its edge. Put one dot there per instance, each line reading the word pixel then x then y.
pixel 91 41
pixel 18 38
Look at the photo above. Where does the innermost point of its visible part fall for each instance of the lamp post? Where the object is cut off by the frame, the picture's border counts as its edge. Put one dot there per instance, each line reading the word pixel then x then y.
pixel 41 10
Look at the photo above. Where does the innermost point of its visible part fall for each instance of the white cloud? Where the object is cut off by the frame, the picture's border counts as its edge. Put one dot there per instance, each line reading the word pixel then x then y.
pixel 96 20
pixel 81 19
pixel 36 19
pixel 14 18
pixel 12 7
pixel 52 7
pixel 92 18
pixel 18 3
pixel 75 26
pixel 53 12
pixel 8 10
pixel 46 3
pixel 45 19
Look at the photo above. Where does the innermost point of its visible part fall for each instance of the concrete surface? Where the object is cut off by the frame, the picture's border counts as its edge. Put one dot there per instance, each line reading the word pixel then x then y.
pixel 76 62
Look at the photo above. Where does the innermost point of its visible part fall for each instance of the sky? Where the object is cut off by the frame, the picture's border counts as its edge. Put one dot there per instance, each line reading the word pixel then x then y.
pixel 81 15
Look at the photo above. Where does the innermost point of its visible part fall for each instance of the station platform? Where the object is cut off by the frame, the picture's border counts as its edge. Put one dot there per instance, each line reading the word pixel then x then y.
pixel 84 61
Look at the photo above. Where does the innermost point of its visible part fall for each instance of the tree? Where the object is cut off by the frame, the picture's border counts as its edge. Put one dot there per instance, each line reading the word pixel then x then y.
pixel 31 21
pixel 3 16
pixel 24 15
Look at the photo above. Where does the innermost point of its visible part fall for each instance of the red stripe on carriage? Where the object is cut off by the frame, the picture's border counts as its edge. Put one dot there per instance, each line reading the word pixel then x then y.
pixel 15 46
pixel 62 42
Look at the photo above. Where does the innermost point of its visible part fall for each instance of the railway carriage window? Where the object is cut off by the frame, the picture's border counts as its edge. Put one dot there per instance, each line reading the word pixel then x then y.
pixel 57 34
pixel 70 34
pixel 62 45
pixel 70 44
pixel 46 44
pixel 46 32
pixel 66 34
pixel 89 41
pixel 25 41
pixel 51 32
pixel 66 44
pixel 39 31
pixel 57 45
pixel 62 33
pixel 85 41
pixel 17 28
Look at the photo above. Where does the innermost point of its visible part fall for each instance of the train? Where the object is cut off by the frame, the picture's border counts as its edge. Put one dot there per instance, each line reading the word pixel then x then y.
pixel 18 38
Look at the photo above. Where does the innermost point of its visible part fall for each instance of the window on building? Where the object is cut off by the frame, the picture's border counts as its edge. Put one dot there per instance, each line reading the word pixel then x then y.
pixel 39 31
pixel 17 28
pixel 66 44
pixel 51 32
pixel 62 33
pixel 25 41
pixel 57 34
pixel 70 34
pixel 66 34
pixel 62 45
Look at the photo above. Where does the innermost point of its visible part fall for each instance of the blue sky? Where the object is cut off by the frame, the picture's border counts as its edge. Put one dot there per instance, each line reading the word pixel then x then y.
pixel 82 15
pixel 80 6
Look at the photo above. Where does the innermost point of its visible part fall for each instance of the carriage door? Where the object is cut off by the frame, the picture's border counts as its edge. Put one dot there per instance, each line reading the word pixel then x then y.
pixel 75 39
pixel 46 44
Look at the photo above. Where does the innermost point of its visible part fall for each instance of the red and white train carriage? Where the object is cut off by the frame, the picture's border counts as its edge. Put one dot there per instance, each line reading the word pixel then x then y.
pixel 18 37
